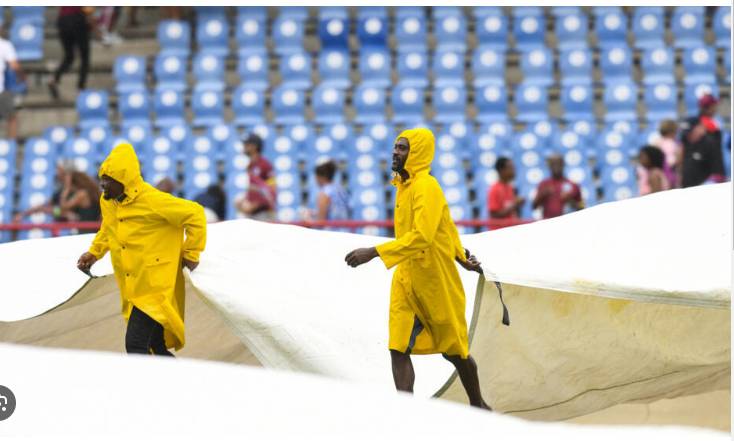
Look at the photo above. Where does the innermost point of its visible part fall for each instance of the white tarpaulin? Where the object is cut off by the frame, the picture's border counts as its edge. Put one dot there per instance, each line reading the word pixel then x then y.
pixel 621 302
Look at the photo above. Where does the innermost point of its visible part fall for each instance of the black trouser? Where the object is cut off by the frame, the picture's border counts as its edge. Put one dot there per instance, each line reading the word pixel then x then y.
pixel 144 335
pixel 74 31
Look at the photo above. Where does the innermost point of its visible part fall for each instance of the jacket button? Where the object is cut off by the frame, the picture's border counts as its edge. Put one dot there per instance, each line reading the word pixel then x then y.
pixel 127 275
pixel 123 247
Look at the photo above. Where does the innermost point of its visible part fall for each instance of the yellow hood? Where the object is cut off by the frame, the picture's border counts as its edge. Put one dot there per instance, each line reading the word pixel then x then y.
pixel 123 166
pixel 422 147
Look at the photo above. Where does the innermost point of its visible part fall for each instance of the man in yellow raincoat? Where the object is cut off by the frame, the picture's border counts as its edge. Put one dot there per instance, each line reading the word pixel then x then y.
pixel 427 303
pixel 143 228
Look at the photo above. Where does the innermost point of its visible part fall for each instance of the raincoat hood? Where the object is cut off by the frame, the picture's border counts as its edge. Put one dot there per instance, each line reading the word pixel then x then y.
pixel 123 166
pixel 422 147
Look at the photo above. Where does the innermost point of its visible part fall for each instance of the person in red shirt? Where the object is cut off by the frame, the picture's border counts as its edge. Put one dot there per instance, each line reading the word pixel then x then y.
pixel 259 201
pixel 502 201
pixel 557 195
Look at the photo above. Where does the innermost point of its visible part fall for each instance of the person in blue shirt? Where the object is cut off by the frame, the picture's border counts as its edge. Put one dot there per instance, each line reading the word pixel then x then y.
pixel 332 202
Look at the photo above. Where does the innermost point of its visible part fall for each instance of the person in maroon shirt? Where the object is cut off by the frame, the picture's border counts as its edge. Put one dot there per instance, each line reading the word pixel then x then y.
pixel 259 201
pixel 557 195
pixel 502 201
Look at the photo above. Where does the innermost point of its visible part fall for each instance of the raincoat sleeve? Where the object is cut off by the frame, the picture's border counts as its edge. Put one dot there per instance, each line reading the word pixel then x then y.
pixel 458 247
pixel 427 210
pixel 100 244
pixel 190 216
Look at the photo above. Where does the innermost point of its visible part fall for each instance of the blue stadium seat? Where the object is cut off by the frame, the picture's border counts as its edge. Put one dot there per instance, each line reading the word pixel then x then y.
pixel 341 133
pixel 620 101
pixel 722 27
pixel 248 106
pixel 407 104
pixel 206 12
pixel 333 30
pixel 526 141
pixel 334 68
pixel 288 33
pixel 692 93
pixel 200 145
pixel 585 127
pixel 412 68
pixel 369 105
pixel 571 29
pixel 266 132
pixel 537 66
pixel 699 64
pixel 169 108
pixel 519 12
pixel 250 34
pixel 253 70
pixel 222 135
pixel 179 134
pixel 449 102
pixel 296 12
pixel 599 11
pixel 726 65
pixel 170 72
pixel 611 28
pixel 563 11
pixel 82 154
pixel 207 107
pixel 575 66
pixel 616 64
pixel 529 31
pixel 328 104
pixel 450 30
pixel 618 183
pixel 627 127
pixel 488 67
pixel 545 130
pixel 321 149
pixel 369 205
pixel 199 173
pixel 300 135
pixel 27 37
pixel 491 30
pixel 295 69
pixel 527 159
pixel 288 105
pixel 610 139
pixel 687 27
pixel 658 66
pixel 371 11
pixel 138 134
pixel 174 37
pixel 160 160
pixel 58 135
pixel 411 33
pixel 531 102
pixel 30 14
pixel 134 108
pixel 448 68
pixel 484 11
pixel 129 71
pixel 491 103
pixel 209 72
pixel 212 36
pixel 283 145
pixel 259 13
pixel 651 135
pixel 92 105
pixel 372 31
pixel 410 11
pixel 577 102
pixel 374 67
pixel 98 136
pixel 567 140
pixel 648 27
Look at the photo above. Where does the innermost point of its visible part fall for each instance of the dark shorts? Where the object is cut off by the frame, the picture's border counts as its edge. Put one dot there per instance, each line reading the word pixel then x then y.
pixel 7 104
pixel 417 328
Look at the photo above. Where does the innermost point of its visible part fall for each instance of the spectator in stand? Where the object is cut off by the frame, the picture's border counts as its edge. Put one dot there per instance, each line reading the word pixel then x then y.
pixel 76 26
pixel 51 207
pixel 502 201
pixel 166 185
pixel 332 202
pixel 650 175
pixel 107 23
pixel 672 150
pixel 703 161
pixel 557 194
pixel 214 202
pixel 9 59
pixel 259 201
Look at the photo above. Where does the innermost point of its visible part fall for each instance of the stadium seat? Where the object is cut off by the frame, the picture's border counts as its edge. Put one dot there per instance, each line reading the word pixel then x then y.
pixel 174 37
pixel 328 104
pixel 407 104
pixel 412 68
pixel 252 69
pixel 134 108
pixel 529 31
pixel 650 136
pixel 450 30
pixel 208 72
pixel 180 135
pixel 27 38
pixel 250 34
pixel 618 183
pixel 92 105
pixel 491 29
pixel 648 27
pixel 545 130
pixel 321 149
pixel 411 34
pixel 169 108
pixel 212 36
pixel 567 140
pixel 599 11
pixel 97 135
pixel 160 160
pixel 81 152
pixel 571 29
pixel 620 101
pixel 170 72
pixel 537 67
pixel 575 66
pixel 300 135
pixel 295 69
pixel 341 133
pixel 371 11
pixel 692 93
pixel 526 140
pixel 687 27
pixel 584 127
pixel 449 103
pixel 374 67
pixel 488 67
pixel 369 105
pixel 722 27
pixel 222 135
pixel 563 11
pixel 699 64
pixel 448 68
pixel 29 14
pixel 288 33
pixel 138 134
pixel 491 103
pixel 372 31
pixel 531 102
pixel 577 102
pixel 334 68
pixel 295 12
pixel 259 13
pixel 611 28
pixel 206 12
pixel 207 107
pixel 627 127
pixel 288 105
pixel 615 64
pixel 283 145
pixel 248 106
pixel 410 11
pixel 333 30
pixel 658 66
pixel 199 173
pixel 610 139
pixel 129 71
pixel 58 135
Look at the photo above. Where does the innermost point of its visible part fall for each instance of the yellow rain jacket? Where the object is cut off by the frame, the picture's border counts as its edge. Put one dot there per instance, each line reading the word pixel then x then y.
pixel 145 236
pixel 426 283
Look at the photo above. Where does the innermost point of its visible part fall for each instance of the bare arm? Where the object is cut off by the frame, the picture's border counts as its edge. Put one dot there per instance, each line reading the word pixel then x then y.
pixel 322 207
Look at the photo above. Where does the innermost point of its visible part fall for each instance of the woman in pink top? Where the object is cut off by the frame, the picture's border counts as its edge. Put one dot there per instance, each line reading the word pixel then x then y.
pixel 651 178
pixel 672 150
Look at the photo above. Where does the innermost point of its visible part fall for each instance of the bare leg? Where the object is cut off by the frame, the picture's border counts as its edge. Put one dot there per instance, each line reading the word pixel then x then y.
pixel 467 369
pixel 402 371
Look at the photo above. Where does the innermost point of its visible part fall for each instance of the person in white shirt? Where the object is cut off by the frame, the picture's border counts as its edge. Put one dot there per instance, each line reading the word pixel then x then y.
pixel 9 60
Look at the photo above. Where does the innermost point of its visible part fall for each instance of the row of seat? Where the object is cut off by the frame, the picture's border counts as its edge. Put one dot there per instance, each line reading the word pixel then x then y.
pixel 26 31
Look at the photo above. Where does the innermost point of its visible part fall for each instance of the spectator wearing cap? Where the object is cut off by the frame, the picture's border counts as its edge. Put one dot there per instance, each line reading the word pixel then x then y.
pixel 259 201
pixel 703 160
